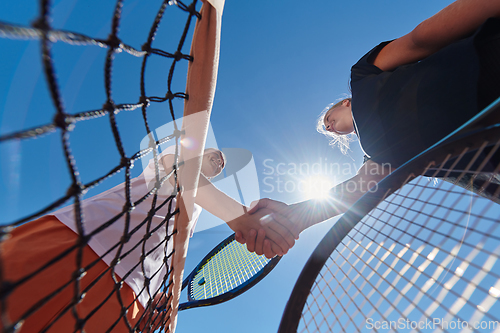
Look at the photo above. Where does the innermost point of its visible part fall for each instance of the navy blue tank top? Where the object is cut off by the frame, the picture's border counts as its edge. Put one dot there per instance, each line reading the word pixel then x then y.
pixel 400 113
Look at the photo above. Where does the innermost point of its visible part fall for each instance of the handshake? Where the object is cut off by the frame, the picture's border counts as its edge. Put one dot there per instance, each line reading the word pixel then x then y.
pixel 269 227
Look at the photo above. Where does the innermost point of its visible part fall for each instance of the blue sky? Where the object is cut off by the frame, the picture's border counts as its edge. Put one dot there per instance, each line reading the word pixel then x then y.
pixel 281 63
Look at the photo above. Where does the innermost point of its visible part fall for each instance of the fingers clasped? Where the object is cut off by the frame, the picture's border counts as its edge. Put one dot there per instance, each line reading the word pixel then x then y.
pixel 277 233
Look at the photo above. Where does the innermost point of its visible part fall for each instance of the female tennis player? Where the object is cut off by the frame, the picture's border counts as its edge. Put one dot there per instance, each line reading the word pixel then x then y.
pixel 407 94
pixel 139 262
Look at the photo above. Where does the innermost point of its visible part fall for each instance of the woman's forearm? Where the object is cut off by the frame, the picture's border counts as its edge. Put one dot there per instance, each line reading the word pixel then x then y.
pixel 209 197
pixel 217 202
pixel 308 213
pixel 456 21
pixel 341 197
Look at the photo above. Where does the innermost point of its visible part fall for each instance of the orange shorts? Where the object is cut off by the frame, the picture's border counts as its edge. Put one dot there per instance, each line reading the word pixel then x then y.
pixel 30 247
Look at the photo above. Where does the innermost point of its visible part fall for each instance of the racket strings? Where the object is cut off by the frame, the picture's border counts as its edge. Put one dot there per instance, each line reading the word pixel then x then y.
pixel 229 268
pixel 419 202
pixel 342 316
pixel 410 283
pixel 334 269
pixel 427 255
pixel 455 228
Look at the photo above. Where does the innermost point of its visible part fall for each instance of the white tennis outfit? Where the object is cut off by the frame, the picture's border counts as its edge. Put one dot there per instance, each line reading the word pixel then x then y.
pixel 103 207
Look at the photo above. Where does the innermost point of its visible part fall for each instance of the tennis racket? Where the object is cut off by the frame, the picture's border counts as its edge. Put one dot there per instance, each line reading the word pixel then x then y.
pixel 226 272
pixel 416 255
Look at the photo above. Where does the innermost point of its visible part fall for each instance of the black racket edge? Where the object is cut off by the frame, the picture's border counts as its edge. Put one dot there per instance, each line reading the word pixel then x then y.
pixel 438 152
pixel 229 294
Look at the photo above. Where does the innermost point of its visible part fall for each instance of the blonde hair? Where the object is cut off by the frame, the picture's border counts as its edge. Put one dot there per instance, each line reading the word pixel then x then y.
pixel 340 140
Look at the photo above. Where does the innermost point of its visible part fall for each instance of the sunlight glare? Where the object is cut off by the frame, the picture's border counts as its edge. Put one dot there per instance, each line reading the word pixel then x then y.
pixel 316 187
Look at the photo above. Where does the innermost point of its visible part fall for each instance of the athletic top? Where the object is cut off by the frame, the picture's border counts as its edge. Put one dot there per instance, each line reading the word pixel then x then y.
pixel 400 113
pixel 103 207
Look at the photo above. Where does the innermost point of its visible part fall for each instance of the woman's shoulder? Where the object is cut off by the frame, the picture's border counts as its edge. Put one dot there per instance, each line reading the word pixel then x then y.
pixel 365 65
pixel 488 31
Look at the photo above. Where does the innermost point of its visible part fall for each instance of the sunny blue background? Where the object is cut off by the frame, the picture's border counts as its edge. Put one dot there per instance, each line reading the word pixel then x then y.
pixel 281 63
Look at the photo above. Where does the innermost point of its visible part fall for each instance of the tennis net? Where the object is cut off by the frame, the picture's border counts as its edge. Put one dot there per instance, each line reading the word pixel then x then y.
pixel 160 56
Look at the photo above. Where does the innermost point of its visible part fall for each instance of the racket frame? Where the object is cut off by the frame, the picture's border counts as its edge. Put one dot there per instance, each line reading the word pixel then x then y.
pixel 192 303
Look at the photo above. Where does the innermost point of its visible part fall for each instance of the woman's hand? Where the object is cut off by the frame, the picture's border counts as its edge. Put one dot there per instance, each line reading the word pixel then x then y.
pixel 282 214
pixel 249 228
pixel 276 219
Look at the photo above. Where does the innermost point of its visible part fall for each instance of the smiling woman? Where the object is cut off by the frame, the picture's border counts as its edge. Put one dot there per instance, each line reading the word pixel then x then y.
pixel 213 162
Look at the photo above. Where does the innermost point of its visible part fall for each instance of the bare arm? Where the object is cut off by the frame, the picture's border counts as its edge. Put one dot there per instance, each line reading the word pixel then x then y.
pixel 234 213
pixel 209 197
pixel 303 215
pixel 342 197
pixel 454 22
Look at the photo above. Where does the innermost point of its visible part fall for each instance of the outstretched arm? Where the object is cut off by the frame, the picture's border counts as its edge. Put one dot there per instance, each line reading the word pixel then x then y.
pixel 235 214
pixel 237 218
pixel 303 215
pixel 454 22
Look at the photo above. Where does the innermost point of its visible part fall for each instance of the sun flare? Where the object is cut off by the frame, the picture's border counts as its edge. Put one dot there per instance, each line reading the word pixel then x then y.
pixel 317 187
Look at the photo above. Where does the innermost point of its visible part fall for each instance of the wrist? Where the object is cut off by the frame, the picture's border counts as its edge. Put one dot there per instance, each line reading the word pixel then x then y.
pixel 295 214
pixel 308 213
